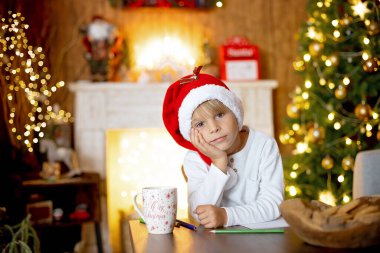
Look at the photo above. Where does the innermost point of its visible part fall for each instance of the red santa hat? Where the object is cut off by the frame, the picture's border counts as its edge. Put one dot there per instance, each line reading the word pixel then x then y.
pixel 185 95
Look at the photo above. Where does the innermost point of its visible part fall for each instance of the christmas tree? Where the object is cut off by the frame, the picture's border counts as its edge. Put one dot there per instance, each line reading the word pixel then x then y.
pixel 334 114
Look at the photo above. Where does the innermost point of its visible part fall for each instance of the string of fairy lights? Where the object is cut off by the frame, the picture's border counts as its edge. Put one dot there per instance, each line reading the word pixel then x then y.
pixel 364 118
pixel 28 83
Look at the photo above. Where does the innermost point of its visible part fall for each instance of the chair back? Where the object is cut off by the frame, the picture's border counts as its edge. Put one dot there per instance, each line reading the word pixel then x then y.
pixel 366 173
pixel 183 173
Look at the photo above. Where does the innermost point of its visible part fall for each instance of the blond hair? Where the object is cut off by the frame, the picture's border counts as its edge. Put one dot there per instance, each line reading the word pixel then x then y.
pixel 210 107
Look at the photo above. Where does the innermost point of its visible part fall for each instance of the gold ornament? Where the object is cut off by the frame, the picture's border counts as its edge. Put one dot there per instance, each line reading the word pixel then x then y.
pixel 334 59
pixel 292 110
pixel 373 28
pixel 348 162
pixel 363 111
pixel 316 133
pixel 327 162
pixel 315 48
pixel 298 101
pixel 371 65
pixel 340 92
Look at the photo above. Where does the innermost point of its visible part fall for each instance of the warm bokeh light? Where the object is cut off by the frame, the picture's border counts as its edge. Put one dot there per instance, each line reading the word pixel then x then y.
pixel 29 87
pixel 346 199
pixel 292 191
pixel 307 57
pixel 360 9
pixel 308 84
pixel 331 116
pixel 138 158
pixel 327 197
pixel 164 51
pixel 168 50
pixel 301 147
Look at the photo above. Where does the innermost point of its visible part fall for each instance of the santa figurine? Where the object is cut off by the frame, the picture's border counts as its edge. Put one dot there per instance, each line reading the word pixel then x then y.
pixel 99 40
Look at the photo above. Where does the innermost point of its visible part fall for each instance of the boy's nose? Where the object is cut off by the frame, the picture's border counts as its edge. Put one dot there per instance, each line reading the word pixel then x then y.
pixel 214 127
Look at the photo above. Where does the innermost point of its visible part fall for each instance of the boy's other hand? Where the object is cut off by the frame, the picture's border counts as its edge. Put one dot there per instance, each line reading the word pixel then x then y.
pixel 211 216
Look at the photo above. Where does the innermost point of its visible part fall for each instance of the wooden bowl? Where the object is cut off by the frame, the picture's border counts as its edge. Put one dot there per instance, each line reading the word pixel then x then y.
pixel 354 225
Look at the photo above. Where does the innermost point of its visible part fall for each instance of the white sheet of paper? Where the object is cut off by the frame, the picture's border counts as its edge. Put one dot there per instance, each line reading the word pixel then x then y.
pixel 278 223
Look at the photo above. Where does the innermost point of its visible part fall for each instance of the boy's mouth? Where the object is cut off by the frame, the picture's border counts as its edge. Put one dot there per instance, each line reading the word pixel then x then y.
pixel 219 139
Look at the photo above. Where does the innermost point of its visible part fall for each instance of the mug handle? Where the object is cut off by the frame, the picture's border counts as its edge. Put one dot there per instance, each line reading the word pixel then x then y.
pixel 136 206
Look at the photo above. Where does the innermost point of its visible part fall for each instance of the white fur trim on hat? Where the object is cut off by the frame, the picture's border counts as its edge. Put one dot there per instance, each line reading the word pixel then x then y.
pixel 202 94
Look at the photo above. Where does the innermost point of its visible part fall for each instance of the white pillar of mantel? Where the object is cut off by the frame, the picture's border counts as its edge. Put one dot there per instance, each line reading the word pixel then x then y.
pixel 104 105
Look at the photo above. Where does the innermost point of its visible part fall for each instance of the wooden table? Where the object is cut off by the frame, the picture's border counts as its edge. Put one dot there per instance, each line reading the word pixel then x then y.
pixel 183 240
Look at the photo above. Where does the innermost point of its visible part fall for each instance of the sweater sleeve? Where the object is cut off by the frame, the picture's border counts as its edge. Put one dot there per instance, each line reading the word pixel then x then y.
pixel 206 184
pixel 270 187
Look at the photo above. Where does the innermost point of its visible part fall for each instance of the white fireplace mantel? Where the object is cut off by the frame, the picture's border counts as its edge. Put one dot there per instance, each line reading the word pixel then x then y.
pixel 103 106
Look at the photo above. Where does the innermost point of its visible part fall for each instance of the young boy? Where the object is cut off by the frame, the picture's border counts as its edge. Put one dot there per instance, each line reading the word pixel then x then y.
pixel 234 173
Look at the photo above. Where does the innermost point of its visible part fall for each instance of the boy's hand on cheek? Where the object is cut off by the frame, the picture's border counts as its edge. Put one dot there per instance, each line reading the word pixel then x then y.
pixel 218 157
pixel 211 216
pixel 202 145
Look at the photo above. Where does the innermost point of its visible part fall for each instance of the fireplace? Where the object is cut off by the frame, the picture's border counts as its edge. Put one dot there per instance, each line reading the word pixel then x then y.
pixel 122 122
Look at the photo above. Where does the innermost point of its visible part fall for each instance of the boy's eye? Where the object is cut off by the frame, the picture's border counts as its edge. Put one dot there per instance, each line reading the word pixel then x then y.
pixel 219 115
pixel 198 124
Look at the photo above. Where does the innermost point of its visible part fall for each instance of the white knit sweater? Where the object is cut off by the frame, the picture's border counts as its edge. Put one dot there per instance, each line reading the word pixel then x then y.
pixel 251 194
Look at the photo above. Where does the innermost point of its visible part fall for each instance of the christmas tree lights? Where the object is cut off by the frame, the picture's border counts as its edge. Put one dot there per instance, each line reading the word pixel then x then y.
pixel 335 112
pixel 25 84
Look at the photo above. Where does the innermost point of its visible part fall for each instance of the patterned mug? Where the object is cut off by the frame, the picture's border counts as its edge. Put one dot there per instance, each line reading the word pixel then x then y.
pixel 159 208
